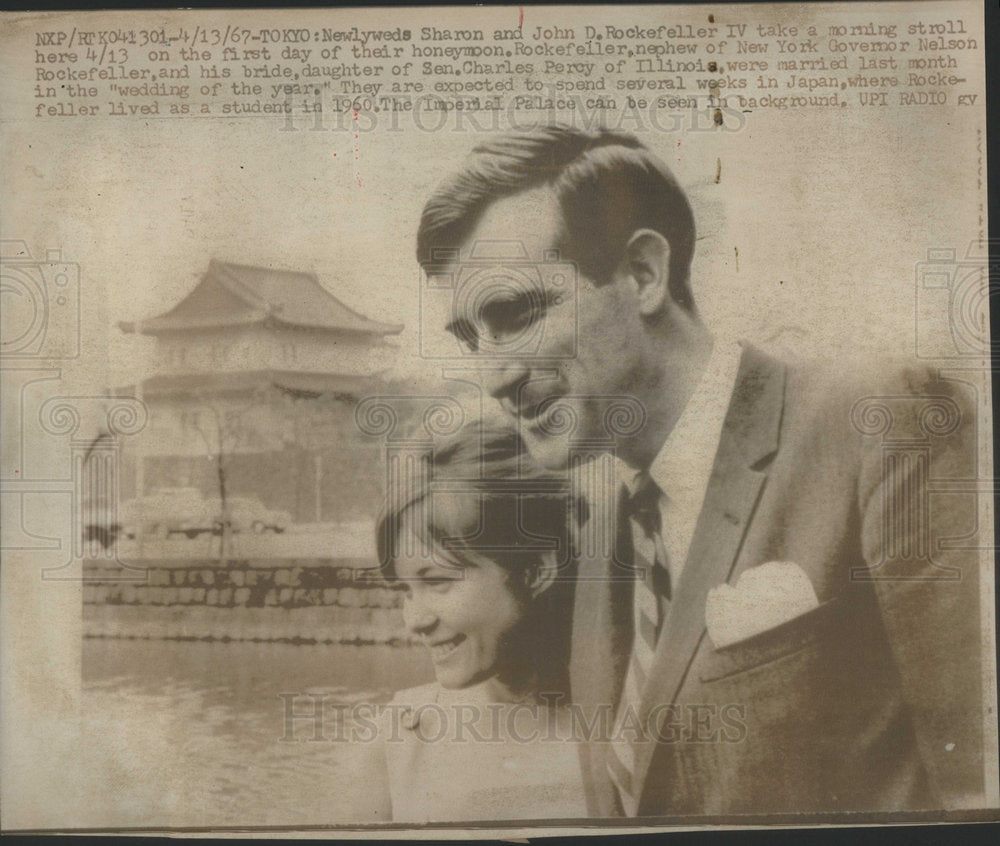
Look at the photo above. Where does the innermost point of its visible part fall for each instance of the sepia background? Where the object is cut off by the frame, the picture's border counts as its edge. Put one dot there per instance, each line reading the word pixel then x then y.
pixel 155 700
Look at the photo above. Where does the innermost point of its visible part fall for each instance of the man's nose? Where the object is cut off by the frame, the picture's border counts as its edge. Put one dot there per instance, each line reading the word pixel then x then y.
pixel 418 618
pixel 505 378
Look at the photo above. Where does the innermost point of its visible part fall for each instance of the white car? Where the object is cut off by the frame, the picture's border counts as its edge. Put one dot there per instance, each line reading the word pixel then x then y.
pixel 249 514
pixel 165 512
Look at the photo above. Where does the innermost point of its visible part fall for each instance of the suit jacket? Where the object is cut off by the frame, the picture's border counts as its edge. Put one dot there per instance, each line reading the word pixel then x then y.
pixel 870 701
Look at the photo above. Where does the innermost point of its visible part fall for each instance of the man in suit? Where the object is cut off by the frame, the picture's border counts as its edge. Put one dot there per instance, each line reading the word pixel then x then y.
pixel 777 628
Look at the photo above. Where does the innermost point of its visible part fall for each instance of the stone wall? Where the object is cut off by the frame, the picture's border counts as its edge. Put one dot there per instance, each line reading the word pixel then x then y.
pixel 244 600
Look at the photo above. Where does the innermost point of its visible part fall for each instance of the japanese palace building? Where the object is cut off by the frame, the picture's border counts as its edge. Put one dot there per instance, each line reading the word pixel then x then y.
pixel 262 369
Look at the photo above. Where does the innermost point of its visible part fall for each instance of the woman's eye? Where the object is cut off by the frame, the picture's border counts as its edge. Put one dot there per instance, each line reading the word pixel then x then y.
pixel 440 583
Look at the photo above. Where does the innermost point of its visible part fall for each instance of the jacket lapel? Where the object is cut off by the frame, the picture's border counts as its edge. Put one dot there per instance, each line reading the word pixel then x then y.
pixel 747 445
pixel 599 656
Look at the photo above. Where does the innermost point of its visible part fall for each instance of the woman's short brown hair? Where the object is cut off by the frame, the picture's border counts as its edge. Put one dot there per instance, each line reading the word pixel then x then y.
pixel 484 495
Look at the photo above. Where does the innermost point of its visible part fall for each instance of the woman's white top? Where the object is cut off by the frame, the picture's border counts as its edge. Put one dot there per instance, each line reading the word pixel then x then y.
pixel 451 757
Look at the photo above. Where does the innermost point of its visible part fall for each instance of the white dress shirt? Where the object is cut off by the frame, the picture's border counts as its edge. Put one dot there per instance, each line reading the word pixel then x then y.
pixel 684 463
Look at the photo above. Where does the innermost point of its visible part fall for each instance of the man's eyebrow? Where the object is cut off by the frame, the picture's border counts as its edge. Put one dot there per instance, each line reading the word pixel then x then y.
pixel 435 571
pixel 503 305
pixel 464 329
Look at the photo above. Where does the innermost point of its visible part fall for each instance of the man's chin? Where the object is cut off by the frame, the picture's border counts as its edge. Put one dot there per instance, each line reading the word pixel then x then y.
pixel 461 680
pixel 454 681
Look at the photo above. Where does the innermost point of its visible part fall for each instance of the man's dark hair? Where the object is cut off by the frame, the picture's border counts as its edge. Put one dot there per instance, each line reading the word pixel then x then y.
pixel 607 184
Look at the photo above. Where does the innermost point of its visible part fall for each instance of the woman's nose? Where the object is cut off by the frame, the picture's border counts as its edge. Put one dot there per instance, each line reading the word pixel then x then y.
pixel 419 619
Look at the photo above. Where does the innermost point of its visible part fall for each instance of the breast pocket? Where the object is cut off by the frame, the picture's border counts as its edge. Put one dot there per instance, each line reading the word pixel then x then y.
pixel 772 646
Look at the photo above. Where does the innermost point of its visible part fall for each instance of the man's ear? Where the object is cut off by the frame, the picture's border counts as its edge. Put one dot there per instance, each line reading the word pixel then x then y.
pixel 542 576
pixel 647 261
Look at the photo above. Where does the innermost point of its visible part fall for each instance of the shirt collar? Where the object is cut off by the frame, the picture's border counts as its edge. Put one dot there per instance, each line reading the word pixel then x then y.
pixel 684 462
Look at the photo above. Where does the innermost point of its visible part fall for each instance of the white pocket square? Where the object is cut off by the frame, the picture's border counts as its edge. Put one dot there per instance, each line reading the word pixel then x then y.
pixel 762 598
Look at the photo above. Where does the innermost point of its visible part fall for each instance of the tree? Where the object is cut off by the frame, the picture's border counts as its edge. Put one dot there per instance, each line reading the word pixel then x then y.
pixel 230 425
pixel 271 418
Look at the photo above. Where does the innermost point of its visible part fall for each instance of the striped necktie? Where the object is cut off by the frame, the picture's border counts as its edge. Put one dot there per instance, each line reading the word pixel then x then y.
pixel 651 595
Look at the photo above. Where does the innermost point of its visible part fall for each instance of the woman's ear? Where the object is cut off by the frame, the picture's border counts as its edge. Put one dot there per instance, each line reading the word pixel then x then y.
pixel 542 576
pixel 648 260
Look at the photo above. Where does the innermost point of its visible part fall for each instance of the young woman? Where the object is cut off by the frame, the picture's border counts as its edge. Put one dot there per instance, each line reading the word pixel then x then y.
pixel 482 550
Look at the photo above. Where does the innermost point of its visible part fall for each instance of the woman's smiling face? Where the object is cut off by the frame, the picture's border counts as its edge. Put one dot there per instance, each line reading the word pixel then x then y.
pixel 466 614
